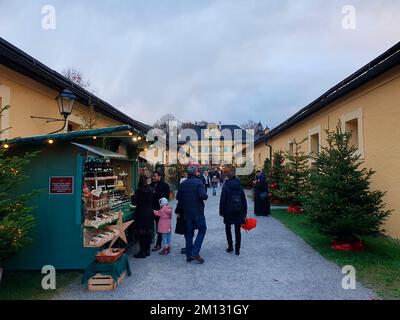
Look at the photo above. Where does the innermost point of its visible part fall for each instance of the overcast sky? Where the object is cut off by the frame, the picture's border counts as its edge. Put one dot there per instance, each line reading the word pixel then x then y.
pixel 226 61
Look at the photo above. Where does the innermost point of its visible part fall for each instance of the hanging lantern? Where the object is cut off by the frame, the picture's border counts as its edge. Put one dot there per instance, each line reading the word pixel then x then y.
pixel 65 101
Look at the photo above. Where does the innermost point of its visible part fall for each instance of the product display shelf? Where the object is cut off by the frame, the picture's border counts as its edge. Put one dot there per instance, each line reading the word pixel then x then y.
pixel 98 208
pixel 89 235
pixel 101 222
pixel 101 178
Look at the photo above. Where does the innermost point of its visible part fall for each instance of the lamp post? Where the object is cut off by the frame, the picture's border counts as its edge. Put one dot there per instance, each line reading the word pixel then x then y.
pixel 65 102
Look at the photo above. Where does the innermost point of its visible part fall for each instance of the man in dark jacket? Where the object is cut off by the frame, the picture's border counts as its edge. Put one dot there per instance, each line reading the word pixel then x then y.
pixel 161 190
pixel 233 207
pixel 191 195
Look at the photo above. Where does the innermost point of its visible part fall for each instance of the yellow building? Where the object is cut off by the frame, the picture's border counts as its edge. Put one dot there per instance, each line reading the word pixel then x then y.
pixel 30 89
pixel 366 103
pixel 213 144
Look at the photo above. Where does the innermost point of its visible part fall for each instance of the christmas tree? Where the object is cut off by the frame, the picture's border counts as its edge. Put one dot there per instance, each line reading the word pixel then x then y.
pixel 276 175
pixel 294 185
pixel 246 181
pixel 340 201
pixel 267 167
pixel 15 218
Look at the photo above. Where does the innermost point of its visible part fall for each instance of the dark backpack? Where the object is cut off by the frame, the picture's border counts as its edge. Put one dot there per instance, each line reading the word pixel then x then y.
pixel 235 205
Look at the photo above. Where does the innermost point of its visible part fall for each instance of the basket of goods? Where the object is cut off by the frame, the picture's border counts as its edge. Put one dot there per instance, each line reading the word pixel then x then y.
pixel 109 255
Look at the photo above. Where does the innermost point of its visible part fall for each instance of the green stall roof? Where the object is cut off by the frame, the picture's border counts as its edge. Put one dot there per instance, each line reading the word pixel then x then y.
pixel 100 151
pixel 71 135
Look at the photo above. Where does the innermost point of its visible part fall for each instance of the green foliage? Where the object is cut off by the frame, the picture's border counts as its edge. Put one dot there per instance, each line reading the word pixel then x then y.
pixel 15 218
pixel 340 202
pixel 247 180
pixel 267 167
pixel 1 115
pixel 27 285
pixel 294 186
pixel 276 174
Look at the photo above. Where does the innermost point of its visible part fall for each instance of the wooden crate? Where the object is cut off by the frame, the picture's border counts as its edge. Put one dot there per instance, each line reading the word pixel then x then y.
pixel 101 282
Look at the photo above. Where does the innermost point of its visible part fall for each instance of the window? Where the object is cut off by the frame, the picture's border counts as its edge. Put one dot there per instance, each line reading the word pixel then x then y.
pixel 353 123
pixel 314 140
pixel 314 143
pixel 351 126
pixel 291 147
pixel 73 126
pixel 5 118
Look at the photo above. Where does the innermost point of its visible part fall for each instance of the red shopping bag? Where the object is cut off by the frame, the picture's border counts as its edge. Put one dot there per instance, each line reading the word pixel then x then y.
pixel 249 224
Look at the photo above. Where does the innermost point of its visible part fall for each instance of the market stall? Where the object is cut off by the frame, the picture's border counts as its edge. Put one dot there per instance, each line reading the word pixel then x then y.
pixel 85 180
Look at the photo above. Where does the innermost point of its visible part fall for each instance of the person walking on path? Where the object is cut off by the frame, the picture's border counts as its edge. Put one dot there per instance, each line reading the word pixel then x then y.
pixel 214 184
pixel 144 221
pixel 164 225
pixel 261 201
pixel 222 178
pixel 161 190
pixel 192 194
pixel 233 208
pixel 215 173
pixel 206 179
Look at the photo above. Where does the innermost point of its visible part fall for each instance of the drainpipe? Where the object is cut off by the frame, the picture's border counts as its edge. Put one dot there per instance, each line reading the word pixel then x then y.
pixel 270 150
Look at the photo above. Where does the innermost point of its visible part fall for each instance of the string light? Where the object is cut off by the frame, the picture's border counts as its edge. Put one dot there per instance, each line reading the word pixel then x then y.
pixel 6 146
pixel 130 133
pixel 134 139
pixel 51 141
pixel 94 137
pixel 139 138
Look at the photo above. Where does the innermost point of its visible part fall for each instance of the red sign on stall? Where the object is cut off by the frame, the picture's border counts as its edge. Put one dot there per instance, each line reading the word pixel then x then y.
pixel 61 185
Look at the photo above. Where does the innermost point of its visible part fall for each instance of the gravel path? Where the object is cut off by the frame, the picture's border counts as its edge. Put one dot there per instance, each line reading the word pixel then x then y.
pixel 274 264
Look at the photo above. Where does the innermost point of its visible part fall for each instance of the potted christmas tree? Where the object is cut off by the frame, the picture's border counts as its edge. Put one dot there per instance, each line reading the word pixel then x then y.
pixel 15 218
pixel 276 176
pixel 294 185
pixel 340 201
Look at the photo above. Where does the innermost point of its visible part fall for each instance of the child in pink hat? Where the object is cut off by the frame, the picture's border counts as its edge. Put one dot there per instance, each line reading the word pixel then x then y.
pixel 164 225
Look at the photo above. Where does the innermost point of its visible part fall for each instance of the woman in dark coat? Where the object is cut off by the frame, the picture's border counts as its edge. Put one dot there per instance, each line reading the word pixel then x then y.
pixel 261 200
pixel 233 207
pixel 144 217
